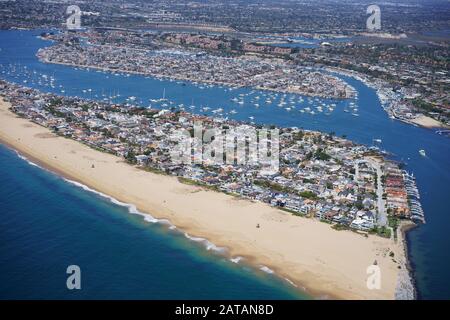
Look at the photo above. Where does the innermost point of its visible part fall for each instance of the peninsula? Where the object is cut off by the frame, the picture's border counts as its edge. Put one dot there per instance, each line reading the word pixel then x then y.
pixel 326 262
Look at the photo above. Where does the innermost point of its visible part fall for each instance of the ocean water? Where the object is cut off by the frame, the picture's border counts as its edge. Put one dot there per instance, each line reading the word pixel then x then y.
pixel 428 243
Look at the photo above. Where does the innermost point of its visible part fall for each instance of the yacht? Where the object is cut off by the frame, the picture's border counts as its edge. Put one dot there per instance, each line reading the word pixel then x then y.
pixel 217 110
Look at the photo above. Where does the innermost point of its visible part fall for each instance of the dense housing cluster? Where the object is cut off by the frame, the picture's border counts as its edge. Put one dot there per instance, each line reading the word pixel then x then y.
pixel 199 66
pixel 320 175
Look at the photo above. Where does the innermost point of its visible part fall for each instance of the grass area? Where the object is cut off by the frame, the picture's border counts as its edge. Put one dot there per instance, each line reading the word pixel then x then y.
pixel 425 106
pixel 198 184
pixel 340 227
pixel 154 170
pixel 308 195
pixel 277 187
pixel 271 185
pixel 294 213
pixel 188 181
pixel 394 222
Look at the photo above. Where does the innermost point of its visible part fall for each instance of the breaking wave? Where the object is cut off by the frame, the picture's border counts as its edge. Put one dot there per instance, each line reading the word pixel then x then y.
pixel 236 260
pixel 266 270
pixel 147 217
pixel 132 209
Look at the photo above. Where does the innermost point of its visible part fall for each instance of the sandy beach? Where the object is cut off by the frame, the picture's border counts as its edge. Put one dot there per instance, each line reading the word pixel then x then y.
pixel 427 122
pixel 328 263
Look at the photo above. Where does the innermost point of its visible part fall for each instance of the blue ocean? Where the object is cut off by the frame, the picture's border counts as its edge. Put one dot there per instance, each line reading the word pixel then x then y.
pixel 48 224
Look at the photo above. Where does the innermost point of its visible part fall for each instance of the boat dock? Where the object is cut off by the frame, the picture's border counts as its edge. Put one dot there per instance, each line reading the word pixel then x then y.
pixel 417 214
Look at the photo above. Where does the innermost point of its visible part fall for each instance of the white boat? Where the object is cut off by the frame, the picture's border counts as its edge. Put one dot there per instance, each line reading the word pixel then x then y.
pixel 219 110
pixel 422 153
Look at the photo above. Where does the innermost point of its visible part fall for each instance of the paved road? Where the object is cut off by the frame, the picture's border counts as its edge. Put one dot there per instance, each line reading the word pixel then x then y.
pixel 382 219
pixel 381 210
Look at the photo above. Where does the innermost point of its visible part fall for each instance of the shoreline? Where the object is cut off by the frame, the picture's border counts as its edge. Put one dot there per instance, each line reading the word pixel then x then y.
pixel 326 262
pixel 407 288
pixel 405 228
pixel 427 122
pixel 420 120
